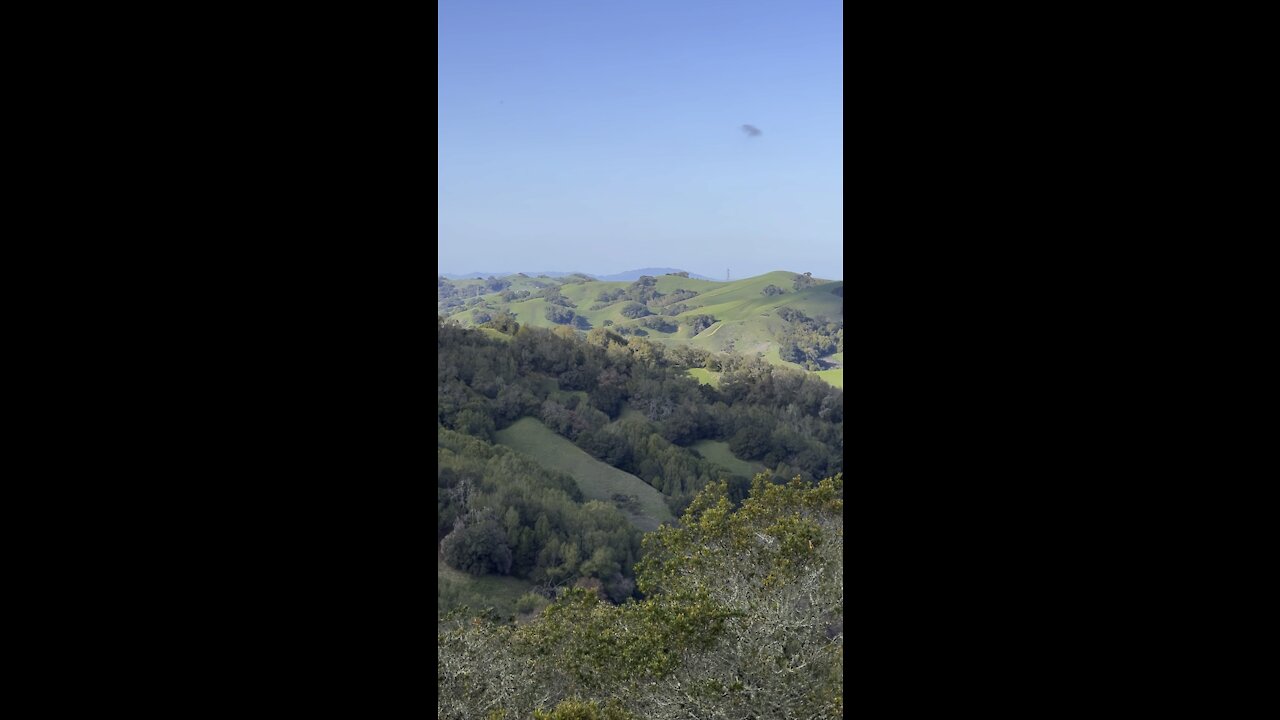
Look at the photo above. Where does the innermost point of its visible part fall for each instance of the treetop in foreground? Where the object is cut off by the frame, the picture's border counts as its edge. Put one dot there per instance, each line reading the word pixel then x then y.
pixel 743 617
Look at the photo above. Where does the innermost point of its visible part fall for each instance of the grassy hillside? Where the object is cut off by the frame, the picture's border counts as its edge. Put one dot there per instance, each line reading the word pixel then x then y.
pixel 597 480
pixel 746 317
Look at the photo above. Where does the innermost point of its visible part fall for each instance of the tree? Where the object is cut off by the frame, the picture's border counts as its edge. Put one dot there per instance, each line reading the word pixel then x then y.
pixel 742 618
pixel 504 322
pixel 477 546
pixel 803 281
pixel 634 310
pixel 698 323
pixel 559 314
pixel 474 422
pixel 772 290
pixel 659 323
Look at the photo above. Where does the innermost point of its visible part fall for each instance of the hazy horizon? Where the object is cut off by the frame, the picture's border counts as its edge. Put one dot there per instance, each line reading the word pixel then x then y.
pixel 601 137
pixel 825 275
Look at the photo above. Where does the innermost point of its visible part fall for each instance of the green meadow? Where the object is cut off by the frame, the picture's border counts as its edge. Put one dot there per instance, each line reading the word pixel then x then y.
pixel 597 480
pixel 717 451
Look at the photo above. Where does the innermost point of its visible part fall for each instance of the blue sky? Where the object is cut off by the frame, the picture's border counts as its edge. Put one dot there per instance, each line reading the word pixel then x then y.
pixel 604 135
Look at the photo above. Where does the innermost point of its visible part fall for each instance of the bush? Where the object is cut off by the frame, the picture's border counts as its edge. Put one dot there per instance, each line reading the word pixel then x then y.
pixel 634 310
pixel 698 323
pixel 561 315
pixel 528 602
pixel 656 322
pixel 477 546
pixel 803 281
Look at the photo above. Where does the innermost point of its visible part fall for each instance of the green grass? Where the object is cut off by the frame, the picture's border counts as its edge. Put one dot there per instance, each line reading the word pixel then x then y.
pixel 496 591
pixel 834 377
pixel 705 376
pixel 717 451
pixel 491 333
pixel 597 480
pixel 629 412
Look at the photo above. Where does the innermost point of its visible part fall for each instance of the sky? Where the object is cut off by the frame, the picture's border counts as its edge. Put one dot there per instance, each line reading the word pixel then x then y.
pixel 607 135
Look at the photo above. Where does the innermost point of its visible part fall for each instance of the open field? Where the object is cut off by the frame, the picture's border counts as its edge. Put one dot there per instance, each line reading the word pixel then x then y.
pixel 496 591
pixel 597 480
pixel 834 377
pixel 718 452
pixel 705 376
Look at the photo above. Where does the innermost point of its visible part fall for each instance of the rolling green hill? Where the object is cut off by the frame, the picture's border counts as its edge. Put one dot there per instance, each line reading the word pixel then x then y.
pixel 746 319
pixel 597 480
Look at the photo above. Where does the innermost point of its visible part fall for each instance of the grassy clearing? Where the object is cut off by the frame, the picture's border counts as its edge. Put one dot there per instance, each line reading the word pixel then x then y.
pixel 496 591
pixel 629 412
pixel 597 480
pixel 491 333
pixel 705 376
pixel 834 377
pixel 717 451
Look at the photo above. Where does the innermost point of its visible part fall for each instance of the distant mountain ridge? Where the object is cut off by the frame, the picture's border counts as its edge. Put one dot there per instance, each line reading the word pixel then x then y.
pixel 624 275
pixel 655 272
pixel 473 275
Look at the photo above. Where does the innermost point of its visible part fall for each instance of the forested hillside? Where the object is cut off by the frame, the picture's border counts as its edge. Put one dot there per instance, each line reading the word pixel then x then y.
pixel 739 603
pixel 743 617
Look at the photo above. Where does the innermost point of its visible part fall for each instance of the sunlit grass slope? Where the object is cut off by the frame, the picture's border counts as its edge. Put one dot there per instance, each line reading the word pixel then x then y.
pixel 597 480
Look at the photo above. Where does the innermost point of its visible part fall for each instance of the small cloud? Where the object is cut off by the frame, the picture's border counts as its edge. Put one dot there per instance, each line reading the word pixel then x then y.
pixel 752 130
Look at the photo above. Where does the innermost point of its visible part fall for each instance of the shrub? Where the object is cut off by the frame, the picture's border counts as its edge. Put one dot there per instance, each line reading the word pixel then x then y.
pixel 634 310
pixel 561 315
pixel 528 602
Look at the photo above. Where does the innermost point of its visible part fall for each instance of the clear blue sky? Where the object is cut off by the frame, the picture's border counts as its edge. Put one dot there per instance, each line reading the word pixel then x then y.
pixel 606 135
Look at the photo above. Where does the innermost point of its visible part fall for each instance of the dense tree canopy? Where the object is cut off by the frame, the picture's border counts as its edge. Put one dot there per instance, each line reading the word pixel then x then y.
pixel 578 385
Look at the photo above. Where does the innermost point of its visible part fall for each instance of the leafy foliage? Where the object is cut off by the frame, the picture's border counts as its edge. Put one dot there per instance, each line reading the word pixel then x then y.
pixel 659 323
pixel 634 310
pixel 698 323
pixel 505 514
pixel 801 282
pixel 806 339
pixel 477 545
pixel 743 617
pixel 559 314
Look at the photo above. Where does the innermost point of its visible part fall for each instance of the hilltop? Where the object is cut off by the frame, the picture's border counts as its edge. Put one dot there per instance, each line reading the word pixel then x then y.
pixel 624 275
pixel 630 275
pixel 787 318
